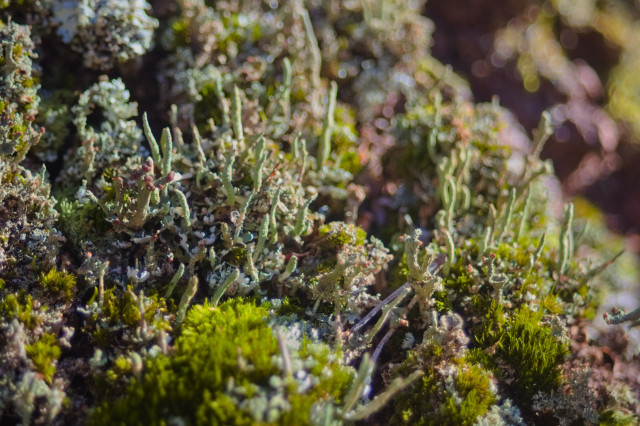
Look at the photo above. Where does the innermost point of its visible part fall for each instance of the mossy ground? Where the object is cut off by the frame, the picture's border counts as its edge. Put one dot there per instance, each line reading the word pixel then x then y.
pixel 326 231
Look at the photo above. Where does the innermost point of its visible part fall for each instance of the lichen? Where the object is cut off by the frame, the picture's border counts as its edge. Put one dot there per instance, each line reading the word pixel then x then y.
pixel 308 222
pixel 104 32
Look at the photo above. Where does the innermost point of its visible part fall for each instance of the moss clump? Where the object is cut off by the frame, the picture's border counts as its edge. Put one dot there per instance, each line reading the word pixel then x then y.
pixel 43 354
pixel 208 107
pixel 534 353
pixel 465 396
pixel 225 370
pixel 81 222
pixel 341 234
pixel 530 349
pixel 345 139
pixel 59 284
pixel 128 312
pixel 19 306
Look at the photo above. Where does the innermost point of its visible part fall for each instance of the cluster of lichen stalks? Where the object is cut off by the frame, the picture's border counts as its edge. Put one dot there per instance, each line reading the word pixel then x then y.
pixel 216 274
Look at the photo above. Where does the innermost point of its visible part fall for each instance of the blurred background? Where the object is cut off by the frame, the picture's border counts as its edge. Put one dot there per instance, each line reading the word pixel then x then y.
pixel 579 59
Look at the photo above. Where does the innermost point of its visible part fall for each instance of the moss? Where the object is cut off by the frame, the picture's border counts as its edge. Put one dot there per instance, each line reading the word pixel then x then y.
pixel 103 337
pixel 225 364
pixel 291 306
pixel 59 284
pixel 117 375
pixel 21 307
pixel 442 302
pixel 533 353
pixel 81 222
pixel 492 315
pixel 236 256
pixel 124 309
pixel 121 311
pixel 459 280
pixel 409 411
pixel 341 234
pixel 345 137
pixel 224 356
pixel 208 107
pixel 431 402
pixel 618 417
pixel 43 354
pixel 333 387
pixel 473 386
pixel 129 313
pixel 399 273
pixel 181 32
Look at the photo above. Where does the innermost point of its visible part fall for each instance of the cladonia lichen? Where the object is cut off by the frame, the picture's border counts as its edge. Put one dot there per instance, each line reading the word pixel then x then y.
pixel 283 213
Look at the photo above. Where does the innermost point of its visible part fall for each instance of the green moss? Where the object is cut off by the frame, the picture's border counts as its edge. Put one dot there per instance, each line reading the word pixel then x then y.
pixel 124 309
pixel 340 234
pixel 236 256
pixel 59 284
pixel 208 107
pixel 618 417
pixel 432 403
pixel 103 337
pixel 43 354
pixel 81 222
pixel 181 32
pixel 118 372
pixel 224 356
pixel 530 349
pixel 409 411
pixel 459 280
pixel 128 309
pixel 473 385
pixel 333 387
pixel 121 310
pixel 17 51
pixel 487 333
pixel 345 137
pixel 21 307
pixel 399 273
pixel 533 352
pixel 442 302
pixel 291 306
